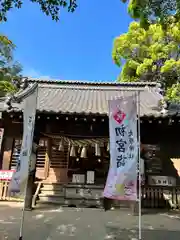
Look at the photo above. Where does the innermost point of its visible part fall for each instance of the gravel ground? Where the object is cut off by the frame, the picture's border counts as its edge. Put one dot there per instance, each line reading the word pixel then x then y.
pixel 55 223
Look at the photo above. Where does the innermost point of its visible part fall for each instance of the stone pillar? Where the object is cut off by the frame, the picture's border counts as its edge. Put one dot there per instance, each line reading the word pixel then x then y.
pixel 134 208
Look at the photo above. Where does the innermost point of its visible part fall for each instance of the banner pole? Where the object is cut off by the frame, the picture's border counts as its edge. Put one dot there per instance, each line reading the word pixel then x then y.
pixel 139 165
pixel 29 171
pixel 23 212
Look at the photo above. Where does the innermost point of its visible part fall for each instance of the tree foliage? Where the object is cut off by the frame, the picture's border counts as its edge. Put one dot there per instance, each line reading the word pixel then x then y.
pixel 10 78
pixel 49 7
pixel 151 54
pixel 153 11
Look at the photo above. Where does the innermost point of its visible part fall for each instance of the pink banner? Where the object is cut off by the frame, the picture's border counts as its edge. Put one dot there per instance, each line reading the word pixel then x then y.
pixel 121 182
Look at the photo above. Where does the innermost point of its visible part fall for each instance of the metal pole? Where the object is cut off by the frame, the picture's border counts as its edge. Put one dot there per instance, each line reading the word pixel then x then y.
pixel 139 163
pixel 23 212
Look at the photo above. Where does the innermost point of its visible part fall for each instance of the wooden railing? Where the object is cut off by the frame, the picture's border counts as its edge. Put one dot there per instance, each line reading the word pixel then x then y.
pixel 4 190
pixel 36 194
pixel 152 197
pixel 161 197
pixel 4 193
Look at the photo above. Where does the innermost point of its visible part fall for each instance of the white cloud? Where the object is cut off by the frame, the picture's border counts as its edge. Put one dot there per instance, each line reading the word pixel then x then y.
pixel 32 73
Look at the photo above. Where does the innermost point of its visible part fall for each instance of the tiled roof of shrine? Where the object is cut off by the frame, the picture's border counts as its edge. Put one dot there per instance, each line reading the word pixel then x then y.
pixel 75 97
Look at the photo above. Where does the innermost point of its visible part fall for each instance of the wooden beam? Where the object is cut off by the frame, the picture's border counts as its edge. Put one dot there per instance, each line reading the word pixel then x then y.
pixel 47 158
pixel 8 148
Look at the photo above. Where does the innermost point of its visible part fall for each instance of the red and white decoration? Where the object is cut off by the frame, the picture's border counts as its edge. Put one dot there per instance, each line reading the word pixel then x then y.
pixel 6 175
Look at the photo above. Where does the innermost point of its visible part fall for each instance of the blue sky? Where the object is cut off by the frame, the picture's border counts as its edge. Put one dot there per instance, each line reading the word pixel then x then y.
pixel 78 47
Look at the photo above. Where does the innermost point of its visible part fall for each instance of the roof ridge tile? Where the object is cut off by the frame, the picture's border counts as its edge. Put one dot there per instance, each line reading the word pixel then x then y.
pixel 91 83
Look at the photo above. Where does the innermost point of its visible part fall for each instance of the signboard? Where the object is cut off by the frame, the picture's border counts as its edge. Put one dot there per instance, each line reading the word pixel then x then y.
pixel 6 175
pixel 121 182
pixel 78 178
pixel 90 177
pixel 151 155
pixel 161 181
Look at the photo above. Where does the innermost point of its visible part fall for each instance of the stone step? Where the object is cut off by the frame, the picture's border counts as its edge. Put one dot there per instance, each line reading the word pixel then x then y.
pixel 52 188
pixel 69 202
pixel 50 199
pixel 47 202
pixel 55 195
pixel 52 192
pixel 55 187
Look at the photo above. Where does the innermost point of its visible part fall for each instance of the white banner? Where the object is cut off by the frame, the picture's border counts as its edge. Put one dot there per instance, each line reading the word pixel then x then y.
pixel 122 177
pixel 20 177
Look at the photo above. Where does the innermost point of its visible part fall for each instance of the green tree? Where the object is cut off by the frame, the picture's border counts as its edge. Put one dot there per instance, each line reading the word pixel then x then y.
pixel 10 78
pixel 151 54
pixel 150 11
pixel 49 7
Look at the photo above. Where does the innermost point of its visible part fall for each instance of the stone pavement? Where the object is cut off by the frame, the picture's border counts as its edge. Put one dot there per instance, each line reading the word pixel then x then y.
pixel 55 223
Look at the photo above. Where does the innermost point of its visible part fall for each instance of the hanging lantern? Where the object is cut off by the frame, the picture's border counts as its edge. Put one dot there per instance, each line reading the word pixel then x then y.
pixel 97 150
pixel 84 152
pixel 73 152
pixel 108 147
pixel 61 146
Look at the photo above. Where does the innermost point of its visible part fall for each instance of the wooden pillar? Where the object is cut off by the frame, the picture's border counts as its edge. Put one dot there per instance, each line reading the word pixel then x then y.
pixel 8 147
pixel 67 156
pixel 47 158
